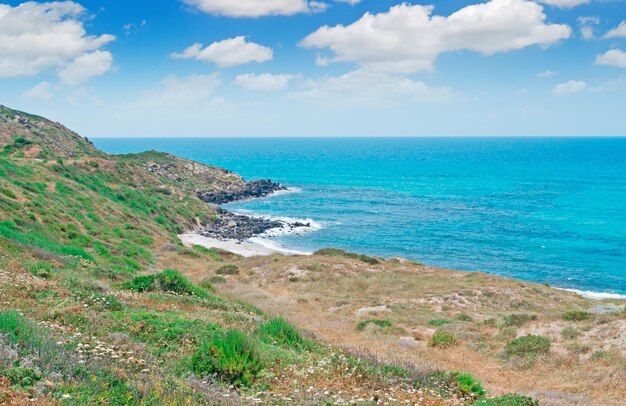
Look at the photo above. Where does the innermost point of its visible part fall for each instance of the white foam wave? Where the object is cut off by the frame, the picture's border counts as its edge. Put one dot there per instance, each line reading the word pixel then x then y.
pixel 288 224
pixel 271 245
pixel 596 295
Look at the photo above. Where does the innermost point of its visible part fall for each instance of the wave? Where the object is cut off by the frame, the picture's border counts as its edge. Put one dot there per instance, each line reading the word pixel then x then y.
pixel 595 295
pixel 290 225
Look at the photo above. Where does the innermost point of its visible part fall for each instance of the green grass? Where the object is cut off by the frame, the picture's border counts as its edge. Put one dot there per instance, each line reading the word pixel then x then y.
pixel 362 325
pixel 518 320
pixel 576 315
pixel 468 385
pixel 335 252
pixel 171 281
pixel 508 400
pixel 280 332
pixel 438 322
pixel 229 269
pixel 232 356
pixel 529 345
pixel 442 339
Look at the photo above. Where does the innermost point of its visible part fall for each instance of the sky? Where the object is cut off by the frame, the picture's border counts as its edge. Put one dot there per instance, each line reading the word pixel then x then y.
pixel 307 68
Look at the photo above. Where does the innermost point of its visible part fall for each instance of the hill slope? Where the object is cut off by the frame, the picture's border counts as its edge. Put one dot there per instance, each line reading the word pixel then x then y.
pixel 92 311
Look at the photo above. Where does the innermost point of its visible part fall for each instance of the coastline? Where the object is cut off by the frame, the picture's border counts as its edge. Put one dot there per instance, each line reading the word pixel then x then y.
pixel 248 248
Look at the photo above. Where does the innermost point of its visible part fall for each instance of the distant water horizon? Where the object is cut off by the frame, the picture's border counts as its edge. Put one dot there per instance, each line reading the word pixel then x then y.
pixel 542 209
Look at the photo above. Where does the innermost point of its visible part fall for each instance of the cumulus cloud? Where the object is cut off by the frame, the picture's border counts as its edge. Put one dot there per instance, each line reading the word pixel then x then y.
pixel 408 38
pixel 36 37
pixel 371 88
pixel 613 57
pixel 85 67
pixel 569 87
pixel 227 53
pixel 264 82
pixel 565 3
pixel 547 74
pixel 250 8
pixel 617 32
pixel 40 92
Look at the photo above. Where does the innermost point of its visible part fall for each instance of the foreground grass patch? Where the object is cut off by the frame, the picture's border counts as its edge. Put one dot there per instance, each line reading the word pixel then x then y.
pixel 280 332
pixel 442 339
pixel 232 356
pixel 528 346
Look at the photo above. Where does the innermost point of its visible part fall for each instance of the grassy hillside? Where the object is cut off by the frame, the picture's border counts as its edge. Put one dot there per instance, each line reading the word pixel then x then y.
pixel 100 303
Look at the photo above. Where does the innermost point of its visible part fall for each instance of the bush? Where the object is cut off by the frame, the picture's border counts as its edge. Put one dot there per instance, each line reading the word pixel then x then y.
pixel 528 346
pixel 569 333
pixel 508 400
pixel 22 377
pixel 41 269
pixel 279 331
pixel 518 320
pixel 469 386
pixel 438 322
pixel 232 356
pixel 576 315
pixel 442 339
pixel 171 280
pixel 463 317
pixel 228 270
pixel 335 252
pixel 380 323
pixel 144 283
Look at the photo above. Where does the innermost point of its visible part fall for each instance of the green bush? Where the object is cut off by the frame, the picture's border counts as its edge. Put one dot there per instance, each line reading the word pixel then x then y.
pixel 279 331
pixel 232 356
pixel 528 346
pixel 380 323
pixel 228 270
pixel 335 252
pixel 144 283
pixel 518 320
pixel 442 339
pixel 438 322
pixel 41 269
pixel 508 400
pixel 576 315
pixel 469 386
pixel 171 280
pixel 22 377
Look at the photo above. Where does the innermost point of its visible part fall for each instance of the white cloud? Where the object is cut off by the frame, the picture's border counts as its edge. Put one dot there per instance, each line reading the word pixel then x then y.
pixel 565 3
pixel 250 8
pixel 408 38
pixel 351 2
pixel 227 53
pixel 175 91
pixel 264 82
pixel 586 26
pixel 40 92
pixel 570 87
pixel 36 37
pixel 85 67
pixel 619 31
pixel 547 74
pixel 614 57
pixel 370 88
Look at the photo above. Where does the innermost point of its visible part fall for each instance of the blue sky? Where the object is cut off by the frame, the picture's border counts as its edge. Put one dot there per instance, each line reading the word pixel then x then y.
pixel 189 68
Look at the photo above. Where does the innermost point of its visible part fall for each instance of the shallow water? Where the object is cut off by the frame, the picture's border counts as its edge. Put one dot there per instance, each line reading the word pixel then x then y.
pixel 541 209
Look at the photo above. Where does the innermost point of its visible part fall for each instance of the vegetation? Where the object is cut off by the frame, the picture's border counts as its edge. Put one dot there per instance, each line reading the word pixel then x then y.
pixel 229 269
pixel 442 338
pixel 576 315
pixel 529 345
pixel 518 320
pixel 508 400
pixel 280 332
pixel 335 252
pixel 362 325
pixel 231 355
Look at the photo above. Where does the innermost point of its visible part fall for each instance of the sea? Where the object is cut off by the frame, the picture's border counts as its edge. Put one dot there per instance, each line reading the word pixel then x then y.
pixel 547 210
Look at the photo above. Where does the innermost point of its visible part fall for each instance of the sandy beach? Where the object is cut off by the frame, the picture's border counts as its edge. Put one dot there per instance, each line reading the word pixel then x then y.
pixel 248 248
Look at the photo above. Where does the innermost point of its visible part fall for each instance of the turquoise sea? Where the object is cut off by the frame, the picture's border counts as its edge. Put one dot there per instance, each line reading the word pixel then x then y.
pixel 541 209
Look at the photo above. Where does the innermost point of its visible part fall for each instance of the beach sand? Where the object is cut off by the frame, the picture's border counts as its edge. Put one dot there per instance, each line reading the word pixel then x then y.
pixel 248 248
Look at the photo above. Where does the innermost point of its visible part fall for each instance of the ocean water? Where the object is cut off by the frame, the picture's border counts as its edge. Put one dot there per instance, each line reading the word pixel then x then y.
pixel 547 210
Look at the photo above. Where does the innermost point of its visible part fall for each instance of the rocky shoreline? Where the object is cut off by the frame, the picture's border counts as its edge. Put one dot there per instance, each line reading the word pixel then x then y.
pixel 231 226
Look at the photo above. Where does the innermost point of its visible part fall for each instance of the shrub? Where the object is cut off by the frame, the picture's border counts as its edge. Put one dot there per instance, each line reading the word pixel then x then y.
pixel 463 317
pixel 22 377
pixel 469 386
pixel 380 323
pixel 528 346
pixel 171 280
pixel 217 279
pixel 144 283
pixel 335 252
pixel 569 332
pixel 442 339
pixel 576 315
pixel 518 320
pixel 232 356
pixel 280 331
pixel 438 322
pixel 508 400
pixel 41 269
pixel 228 270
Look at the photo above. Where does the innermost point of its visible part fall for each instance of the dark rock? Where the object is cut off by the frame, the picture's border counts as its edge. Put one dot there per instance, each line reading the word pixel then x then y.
pixel 251 190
